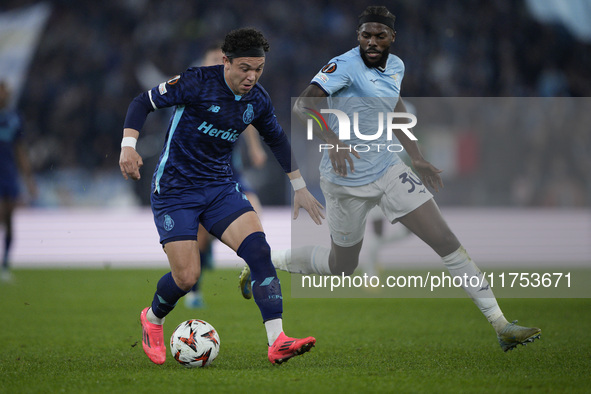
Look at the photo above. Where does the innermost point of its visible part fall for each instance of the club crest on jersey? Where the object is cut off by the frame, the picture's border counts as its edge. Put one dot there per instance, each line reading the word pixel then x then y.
pixel 329 68
pixel 248 115
pixel 168 223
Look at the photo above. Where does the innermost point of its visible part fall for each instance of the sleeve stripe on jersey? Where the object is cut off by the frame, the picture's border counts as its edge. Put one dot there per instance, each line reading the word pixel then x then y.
pixel 175 122
pixel 152 101
pixel 321 87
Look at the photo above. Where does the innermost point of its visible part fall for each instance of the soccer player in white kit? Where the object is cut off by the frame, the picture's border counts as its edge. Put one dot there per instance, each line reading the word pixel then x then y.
pixel 354 183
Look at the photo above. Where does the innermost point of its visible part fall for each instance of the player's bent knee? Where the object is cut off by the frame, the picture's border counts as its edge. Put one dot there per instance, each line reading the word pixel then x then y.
pixel 257 253
pixel 254 247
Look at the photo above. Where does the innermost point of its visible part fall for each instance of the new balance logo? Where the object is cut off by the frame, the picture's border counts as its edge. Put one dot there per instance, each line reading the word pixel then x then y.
pixel 214 108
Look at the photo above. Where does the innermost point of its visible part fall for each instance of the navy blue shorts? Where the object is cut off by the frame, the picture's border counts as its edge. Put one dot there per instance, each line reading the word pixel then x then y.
pixel 178 212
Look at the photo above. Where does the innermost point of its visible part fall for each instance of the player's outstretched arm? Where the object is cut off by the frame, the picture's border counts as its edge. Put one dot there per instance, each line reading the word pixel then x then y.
pixel 304 199
pixel 130 161
pixel 339 158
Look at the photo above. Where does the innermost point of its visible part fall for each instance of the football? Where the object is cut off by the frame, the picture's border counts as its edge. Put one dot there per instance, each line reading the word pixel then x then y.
pixel 195 343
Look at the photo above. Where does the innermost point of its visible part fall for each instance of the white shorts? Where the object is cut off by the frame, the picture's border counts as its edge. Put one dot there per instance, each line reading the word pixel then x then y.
pixel 398 192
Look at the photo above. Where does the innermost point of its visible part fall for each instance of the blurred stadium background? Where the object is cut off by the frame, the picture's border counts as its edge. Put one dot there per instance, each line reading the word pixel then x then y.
pixel 77 64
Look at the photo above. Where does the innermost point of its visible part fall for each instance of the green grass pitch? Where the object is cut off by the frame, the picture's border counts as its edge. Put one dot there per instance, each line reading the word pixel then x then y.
pixel 78 331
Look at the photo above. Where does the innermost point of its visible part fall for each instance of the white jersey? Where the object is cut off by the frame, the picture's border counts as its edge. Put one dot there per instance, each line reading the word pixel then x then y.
pixel 353 87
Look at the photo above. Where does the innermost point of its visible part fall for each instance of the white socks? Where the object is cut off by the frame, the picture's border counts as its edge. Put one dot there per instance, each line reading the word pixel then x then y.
pixel 302 260
pixel 314 260
pixel 274 328
pixel 152 318
pixel 459 264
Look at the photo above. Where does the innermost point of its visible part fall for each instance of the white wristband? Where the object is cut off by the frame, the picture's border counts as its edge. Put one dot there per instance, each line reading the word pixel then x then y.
pixel 128 141
pixel 298 183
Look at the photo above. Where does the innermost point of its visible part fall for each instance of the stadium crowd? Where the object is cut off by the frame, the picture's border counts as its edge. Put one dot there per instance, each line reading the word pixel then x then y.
pixel 86 68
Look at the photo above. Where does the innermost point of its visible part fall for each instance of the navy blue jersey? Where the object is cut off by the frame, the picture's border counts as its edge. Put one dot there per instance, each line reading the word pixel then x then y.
pixel 11 130
pixel 207 121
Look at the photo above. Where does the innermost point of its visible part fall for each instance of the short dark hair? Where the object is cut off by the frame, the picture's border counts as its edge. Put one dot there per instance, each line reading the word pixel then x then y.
pixel 378 10
pixel 244 39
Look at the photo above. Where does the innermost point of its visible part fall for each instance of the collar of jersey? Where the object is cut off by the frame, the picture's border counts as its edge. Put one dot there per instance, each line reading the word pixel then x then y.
pixel 236 96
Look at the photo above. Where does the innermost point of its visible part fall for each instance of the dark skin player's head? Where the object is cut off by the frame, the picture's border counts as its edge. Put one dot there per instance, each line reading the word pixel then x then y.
pixel 374 43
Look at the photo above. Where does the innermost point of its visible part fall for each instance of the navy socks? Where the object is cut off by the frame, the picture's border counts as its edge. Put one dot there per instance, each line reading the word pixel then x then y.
pixel 266 288
pixel 166 296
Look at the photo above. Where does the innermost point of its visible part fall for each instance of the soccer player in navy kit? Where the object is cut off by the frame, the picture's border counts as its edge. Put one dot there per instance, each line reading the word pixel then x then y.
pixel 12 159
pixel 193 184
pixel 194 299
pixel 354 183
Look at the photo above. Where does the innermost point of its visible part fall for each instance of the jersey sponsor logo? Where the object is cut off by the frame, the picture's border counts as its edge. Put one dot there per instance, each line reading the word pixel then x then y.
pixel 208 128
pixel 248 115
pixel 329 68
pixel 214 108
pixel 168 223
